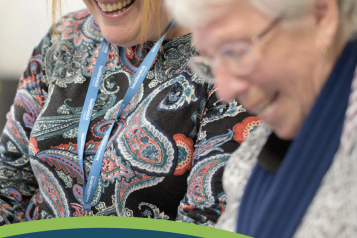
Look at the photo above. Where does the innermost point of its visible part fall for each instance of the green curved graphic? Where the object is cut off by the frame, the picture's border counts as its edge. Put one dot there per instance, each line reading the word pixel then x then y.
pixel 115 222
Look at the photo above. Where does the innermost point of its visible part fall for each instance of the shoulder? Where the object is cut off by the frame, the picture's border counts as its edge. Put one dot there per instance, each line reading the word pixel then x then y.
pixel 335 201
pixel 172 61
pixel 74 29
pixel 79 27
pixel 65 52
pixel 244 158
pixel 237 173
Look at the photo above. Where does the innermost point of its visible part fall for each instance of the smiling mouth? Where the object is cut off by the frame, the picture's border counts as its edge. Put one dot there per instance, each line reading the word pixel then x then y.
pixel 115 8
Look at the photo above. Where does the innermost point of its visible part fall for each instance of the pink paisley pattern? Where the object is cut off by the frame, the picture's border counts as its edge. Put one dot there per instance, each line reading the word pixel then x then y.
pixel 245 128
pixel 185 147
pixel 167 152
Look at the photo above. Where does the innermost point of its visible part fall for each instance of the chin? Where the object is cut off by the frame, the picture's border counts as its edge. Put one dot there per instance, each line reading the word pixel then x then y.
pixel 285 136
pixel 115 36
pixel 120 27
pixel 286 132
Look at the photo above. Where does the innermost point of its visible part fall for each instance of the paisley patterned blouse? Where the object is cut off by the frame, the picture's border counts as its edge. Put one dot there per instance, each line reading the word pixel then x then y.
pixel 165 157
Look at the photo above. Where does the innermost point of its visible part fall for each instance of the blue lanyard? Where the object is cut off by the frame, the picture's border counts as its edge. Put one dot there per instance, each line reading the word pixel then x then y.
pixel 90 187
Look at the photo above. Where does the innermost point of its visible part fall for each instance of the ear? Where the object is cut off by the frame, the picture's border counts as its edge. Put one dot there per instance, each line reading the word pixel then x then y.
pixel 327 21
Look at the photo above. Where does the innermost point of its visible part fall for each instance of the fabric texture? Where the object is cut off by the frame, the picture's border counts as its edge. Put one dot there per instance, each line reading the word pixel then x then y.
pixel 333 208
pixel 273 204
pixel 166 154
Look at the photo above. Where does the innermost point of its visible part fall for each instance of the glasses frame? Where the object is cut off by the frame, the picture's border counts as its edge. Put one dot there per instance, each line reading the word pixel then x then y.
pixel 196 63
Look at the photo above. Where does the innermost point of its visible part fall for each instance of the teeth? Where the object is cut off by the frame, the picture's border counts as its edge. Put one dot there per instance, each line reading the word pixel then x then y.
pixel 116 6
pixel 104 8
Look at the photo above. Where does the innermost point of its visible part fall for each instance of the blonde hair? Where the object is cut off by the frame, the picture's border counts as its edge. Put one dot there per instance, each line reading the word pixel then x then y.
pixel 150 8
pixel 55 12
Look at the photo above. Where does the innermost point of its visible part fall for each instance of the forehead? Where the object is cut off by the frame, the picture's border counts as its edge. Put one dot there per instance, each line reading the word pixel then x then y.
pixel 229 21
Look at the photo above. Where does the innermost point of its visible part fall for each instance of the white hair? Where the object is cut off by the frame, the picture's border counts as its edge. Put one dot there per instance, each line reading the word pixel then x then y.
pixel 194 12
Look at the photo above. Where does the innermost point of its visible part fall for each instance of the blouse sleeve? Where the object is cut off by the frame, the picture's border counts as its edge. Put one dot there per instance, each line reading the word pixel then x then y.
pixel 220 132
pixel 17 181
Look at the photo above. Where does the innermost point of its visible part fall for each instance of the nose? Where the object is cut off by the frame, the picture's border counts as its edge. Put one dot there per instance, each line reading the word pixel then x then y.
pixel 229 86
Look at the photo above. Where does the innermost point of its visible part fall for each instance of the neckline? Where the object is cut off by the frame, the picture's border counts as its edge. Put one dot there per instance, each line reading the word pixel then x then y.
pixel 94 26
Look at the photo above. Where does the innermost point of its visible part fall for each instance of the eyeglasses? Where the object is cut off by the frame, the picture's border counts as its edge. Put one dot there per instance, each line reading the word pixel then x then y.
pixel 237 56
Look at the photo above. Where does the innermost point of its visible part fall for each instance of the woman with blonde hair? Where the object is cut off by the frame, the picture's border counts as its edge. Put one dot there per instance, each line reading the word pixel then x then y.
pixel 108 120
pixel 293 64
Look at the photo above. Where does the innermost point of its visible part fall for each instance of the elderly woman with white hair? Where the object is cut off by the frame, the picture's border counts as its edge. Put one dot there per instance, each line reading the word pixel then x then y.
pixel 293 64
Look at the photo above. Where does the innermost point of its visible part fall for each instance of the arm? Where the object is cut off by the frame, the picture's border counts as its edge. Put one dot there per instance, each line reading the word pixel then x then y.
pixel 220 127
pixel 17 181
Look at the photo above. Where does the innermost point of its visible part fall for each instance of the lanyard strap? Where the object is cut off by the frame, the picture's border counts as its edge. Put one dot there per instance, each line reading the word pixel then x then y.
pixel 90 187
pixel 89 102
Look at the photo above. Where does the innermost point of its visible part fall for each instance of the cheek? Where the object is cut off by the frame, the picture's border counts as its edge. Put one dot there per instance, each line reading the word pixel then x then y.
pixel 285 79
pixel 283 72
pixel 293 78
pixel 90 5
pixel 266 75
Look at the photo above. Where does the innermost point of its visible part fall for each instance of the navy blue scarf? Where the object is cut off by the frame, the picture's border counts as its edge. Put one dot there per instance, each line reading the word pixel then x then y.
pixel 274 204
